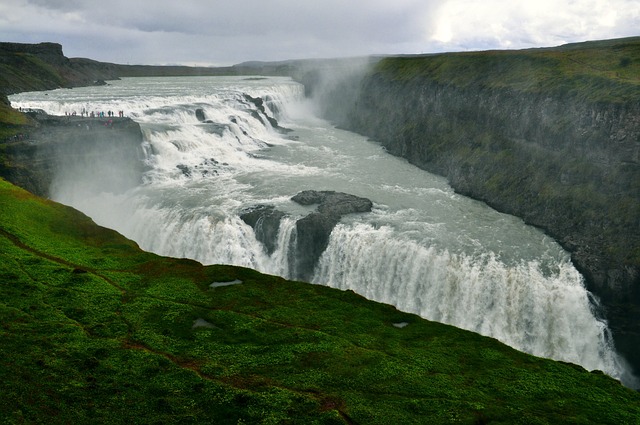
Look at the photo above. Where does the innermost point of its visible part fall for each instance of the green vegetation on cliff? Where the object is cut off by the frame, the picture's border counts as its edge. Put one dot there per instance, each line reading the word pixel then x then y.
pixel 94 330
pixel 12 122
pixel 23 71
pixel 595 71
pixel 27 72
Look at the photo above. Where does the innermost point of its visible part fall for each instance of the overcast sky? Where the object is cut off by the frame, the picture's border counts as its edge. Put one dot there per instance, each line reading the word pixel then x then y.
pixel 217 32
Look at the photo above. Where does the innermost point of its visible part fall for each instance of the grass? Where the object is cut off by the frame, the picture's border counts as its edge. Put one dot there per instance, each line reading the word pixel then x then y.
pixel 598 71
pixel 495 142
pixel 27 72
pixel 94 330
pixel 12 122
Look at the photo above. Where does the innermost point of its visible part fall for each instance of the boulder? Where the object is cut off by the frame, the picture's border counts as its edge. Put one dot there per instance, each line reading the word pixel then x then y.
pixel 314 230
pixel 265 221
pixel 333 203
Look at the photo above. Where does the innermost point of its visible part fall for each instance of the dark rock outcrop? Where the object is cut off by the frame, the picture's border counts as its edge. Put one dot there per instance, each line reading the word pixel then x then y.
pixel 334 204
pixel 314 230
pixel 312 237
pixel 265 221
pixel 261 113
pixel 200 115
pixel 106 153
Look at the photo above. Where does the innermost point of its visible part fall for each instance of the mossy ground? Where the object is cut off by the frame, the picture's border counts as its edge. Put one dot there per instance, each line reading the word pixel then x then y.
pixel 94 330
pixel 12 122
pixel 607 71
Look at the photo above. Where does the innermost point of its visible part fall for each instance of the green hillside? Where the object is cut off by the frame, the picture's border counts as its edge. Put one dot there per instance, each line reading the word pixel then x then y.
pixel 94 330
pixel 12 122
pixel 594 71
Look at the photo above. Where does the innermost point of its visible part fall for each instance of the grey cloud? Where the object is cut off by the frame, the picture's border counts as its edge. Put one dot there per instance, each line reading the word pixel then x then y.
pixel 225 32
pixel 331 18
pixel 65 5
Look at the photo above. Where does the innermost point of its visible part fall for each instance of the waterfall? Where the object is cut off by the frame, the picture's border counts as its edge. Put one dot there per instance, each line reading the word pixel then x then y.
pixel 281 259
pixel 424 249
pixel 546 314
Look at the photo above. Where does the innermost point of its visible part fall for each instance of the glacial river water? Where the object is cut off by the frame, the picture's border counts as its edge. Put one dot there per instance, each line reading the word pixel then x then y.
pixel 423 248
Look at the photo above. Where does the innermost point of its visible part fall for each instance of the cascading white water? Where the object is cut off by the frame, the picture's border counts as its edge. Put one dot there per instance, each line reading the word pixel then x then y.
pixel 516 304
pixel 423 248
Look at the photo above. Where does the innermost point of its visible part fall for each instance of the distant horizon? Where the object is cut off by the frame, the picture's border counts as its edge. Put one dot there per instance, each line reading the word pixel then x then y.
pixel 215 33
pixel 252 61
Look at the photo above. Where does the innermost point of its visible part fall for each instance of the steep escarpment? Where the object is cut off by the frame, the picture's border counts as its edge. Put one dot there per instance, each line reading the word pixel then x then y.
pixel 43 66
pixel 549 135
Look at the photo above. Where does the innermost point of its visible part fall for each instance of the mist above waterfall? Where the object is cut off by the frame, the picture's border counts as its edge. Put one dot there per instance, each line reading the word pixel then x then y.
pixel 104 160
pixel 422 248
pixel 328 78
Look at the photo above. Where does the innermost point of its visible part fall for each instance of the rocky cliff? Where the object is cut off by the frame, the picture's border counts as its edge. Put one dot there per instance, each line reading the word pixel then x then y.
pixel 312 231
pixel 549 135
pixel 43 66
pixel 54 149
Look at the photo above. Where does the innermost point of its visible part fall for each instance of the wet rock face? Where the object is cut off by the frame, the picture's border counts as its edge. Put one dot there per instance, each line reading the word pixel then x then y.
pixel 312 237
pixel 265 221
pixel 261 114
pixel 314 230
pixel 107 152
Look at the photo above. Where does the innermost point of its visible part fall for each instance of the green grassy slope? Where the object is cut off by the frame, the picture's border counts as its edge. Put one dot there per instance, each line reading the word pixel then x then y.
pixel 12 122
pixel 94 330
pixel 594 71
pixel 26 72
